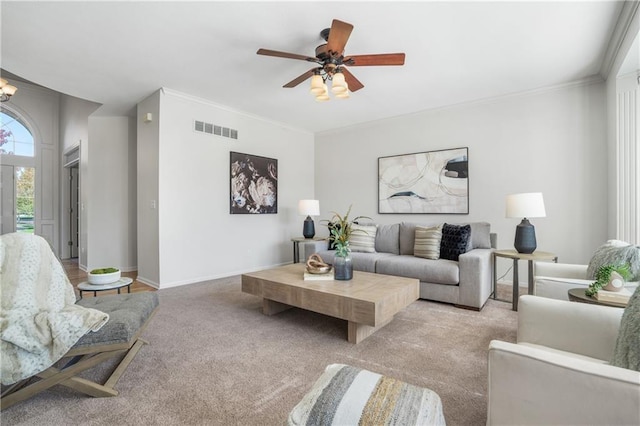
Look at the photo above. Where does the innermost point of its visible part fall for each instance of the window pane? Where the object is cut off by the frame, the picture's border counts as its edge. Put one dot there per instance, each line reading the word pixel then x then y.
pixel 15 138
pixel 25 198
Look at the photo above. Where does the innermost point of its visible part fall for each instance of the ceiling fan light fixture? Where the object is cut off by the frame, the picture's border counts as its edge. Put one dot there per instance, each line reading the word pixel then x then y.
pixel 343 95
pixel 338 84
pixel 317 85
pixel 323 97
pixel 6 90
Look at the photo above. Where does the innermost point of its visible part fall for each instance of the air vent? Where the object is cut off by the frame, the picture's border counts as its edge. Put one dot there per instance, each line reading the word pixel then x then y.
pixel 214 129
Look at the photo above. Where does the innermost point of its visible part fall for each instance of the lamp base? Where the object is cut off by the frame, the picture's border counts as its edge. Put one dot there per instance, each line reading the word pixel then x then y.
pixel 525 241
pixel 309 229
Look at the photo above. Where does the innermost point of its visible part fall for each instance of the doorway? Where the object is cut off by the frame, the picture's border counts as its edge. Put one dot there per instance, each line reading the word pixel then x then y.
pixel 74 209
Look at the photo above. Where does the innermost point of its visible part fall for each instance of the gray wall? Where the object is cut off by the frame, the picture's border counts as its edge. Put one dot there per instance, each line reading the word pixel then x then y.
pixel 551 141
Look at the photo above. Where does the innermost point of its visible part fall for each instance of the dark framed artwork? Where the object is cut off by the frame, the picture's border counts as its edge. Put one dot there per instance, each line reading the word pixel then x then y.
pixel 433 182
pixel 254 184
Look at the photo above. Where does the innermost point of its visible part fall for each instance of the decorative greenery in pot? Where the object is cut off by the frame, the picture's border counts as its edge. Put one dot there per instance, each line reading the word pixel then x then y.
pixel 340 228
pixel 604 275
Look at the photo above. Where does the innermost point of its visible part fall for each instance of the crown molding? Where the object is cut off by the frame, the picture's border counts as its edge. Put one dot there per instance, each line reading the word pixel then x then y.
pixel 627 15
pixel 192 98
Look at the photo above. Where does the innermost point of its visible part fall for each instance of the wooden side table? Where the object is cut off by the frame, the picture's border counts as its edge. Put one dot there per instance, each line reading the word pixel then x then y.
pixel 578 295
pixel 296 245
pixel 513 254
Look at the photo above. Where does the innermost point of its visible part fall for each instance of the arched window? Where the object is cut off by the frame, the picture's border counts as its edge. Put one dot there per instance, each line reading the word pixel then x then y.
pixel 15 138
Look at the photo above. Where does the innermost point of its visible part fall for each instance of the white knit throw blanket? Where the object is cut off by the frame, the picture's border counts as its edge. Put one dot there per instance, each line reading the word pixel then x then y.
pixel 39 320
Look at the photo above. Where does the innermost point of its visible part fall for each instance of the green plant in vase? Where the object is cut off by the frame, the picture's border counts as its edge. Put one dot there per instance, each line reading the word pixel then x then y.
pixel 604 274
pixel 340 230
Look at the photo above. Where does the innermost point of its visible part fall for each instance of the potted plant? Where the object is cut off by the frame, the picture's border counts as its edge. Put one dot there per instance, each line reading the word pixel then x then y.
pixel 340 230
pixel 605 274
pixel 103 276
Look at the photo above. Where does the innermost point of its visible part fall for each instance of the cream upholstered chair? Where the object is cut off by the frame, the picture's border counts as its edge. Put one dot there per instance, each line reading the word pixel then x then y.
pixel 558 372
pixel 554 280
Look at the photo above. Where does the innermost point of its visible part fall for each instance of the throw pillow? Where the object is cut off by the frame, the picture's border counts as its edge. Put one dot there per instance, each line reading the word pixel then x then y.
pixel 427 242
pixel 455 241
pixel 363 238
pixel 615 252
pixel 627 351
pixel 387 239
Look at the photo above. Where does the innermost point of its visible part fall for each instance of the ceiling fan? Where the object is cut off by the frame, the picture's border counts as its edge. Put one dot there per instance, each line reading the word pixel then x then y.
pixel 332 63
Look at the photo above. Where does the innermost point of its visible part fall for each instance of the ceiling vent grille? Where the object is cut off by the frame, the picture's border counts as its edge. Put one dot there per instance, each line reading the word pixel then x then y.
pixel 214 129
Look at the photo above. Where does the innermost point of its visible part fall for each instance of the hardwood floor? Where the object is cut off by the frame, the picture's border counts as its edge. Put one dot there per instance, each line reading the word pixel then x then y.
pixel 76 276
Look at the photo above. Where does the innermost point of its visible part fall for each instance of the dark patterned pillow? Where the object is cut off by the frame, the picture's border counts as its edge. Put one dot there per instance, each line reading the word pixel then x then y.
pixel 455 241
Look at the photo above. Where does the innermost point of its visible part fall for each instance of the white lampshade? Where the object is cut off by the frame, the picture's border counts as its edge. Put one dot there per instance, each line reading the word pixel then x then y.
pixel 309 207
pixel 338 84
pixel 317 85
pixel 529 204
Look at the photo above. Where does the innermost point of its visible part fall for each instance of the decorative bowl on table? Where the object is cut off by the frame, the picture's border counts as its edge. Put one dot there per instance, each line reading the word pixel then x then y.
pixel 104 276
pixel 320 270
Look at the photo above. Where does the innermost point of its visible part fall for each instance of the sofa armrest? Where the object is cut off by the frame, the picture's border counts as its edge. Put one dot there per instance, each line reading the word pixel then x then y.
pixel 476 277
pixel 580 328
pixel 520 379
pixel 560 270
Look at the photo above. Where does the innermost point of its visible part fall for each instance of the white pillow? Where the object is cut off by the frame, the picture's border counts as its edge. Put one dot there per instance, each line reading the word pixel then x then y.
pixel 427 242
pixel 363 238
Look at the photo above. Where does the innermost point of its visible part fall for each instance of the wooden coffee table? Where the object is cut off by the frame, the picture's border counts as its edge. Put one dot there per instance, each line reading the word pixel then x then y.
pixel 368 302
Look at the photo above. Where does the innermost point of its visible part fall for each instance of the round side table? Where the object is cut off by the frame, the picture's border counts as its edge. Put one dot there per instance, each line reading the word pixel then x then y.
pixel 578 295
pixel 95 288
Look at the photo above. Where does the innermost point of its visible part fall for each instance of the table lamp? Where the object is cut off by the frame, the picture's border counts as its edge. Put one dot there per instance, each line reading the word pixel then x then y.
pixel 524 206
pixel 309 208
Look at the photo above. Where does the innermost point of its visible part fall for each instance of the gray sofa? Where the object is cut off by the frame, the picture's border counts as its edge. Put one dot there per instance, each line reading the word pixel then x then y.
pixel 466 283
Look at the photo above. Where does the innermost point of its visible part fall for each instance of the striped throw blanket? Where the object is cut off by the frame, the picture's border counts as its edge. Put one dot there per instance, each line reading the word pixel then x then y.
pixel 346 395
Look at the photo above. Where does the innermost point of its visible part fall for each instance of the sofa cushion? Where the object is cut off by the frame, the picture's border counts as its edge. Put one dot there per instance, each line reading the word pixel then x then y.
pixel 455 241
pixel 616 252
pixel 365 262
pixel 407 236
pixel 480 235
pixel 426 270
pixel 388 238
pixel 363 238
pixel 427 242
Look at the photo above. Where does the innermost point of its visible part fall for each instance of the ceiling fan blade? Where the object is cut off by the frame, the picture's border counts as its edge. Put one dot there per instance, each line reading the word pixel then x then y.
pixel 279 54
pixel 354 83
pixel 300 79
pixel 338 36
pixel 379 59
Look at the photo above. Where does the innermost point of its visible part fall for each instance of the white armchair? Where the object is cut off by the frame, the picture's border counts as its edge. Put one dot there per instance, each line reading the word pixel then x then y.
pixel 554 280
pixel 558 372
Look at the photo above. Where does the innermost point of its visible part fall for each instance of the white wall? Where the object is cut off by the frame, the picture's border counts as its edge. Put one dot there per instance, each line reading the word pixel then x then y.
pixel 147 182
pixel 109 193
pixel 74 129
pixel 551 141
pixel 198 238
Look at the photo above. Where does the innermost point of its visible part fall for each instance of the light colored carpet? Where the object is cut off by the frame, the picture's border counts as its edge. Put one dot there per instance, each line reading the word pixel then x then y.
pixel 214 358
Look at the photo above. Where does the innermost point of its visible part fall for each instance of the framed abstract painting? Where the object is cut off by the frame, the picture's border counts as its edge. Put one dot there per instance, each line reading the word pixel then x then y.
pixel 254 184
pixel 432 182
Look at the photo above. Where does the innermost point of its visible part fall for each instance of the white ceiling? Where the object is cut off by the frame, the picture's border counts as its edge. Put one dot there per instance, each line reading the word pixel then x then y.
pixel 118 53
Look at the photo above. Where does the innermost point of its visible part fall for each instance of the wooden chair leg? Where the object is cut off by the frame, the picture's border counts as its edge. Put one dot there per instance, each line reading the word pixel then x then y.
pixel 52 376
